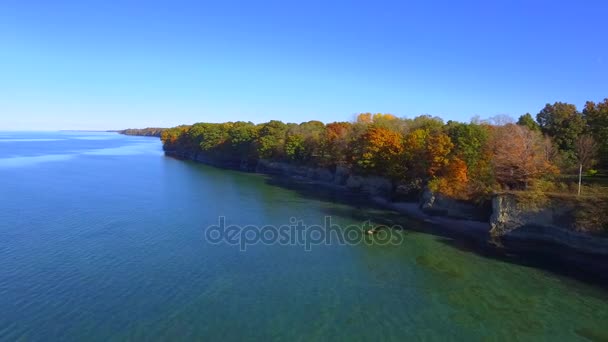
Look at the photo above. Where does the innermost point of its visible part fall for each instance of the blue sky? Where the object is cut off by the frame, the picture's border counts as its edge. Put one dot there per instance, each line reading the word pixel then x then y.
pixel 118 64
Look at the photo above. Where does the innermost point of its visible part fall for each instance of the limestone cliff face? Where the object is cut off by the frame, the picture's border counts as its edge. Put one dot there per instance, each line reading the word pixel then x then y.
pixel 280 168
pixel 506 216
pixel 372 185
pixel 341 175
pixel 439 205
pixel 554 222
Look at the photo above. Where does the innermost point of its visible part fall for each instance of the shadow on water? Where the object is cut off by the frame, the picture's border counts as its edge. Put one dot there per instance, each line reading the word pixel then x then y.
pixel 568 264
pixel 589 269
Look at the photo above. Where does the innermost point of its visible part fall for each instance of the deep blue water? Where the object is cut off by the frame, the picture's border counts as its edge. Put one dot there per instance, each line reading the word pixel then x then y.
pixel 102 238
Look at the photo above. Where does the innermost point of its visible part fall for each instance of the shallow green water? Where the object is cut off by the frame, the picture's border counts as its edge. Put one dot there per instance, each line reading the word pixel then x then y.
pixel 102 238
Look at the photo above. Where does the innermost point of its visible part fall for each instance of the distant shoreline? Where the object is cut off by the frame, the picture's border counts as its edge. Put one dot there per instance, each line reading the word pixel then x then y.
pixel 89 130
pixel 144 132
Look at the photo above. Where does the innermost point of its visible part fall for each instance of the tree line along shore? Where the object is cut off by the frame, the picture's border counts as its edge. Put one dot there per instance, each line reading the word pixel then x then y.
pixel 533 156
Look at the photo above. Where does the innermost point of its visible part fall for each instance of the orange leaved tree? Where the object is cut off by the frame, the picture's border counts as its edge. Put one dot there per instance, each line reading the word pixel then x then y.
pixel 380 151
pixel 518 156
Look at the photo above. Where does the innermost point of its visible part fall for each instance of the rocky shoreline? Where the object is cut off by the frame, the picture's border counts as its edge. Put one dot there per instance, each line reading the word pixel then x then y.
pixel 502 225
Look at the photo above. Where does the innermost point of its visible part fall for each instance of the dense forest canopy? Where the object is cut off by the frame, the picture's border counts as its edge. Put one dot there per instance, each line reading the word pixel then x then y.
pixel 460 160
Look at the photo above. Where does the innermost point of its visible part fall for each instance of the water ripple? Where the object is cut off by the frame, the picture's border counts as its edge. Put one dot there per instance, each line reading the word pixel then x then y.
pixel 21 161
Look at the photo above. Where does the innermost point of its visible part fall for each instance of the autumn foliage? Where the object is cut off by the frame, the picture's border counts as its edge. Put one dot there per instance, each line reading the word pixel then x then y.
pixel 459 160
pixel 519 156
pixel 379 151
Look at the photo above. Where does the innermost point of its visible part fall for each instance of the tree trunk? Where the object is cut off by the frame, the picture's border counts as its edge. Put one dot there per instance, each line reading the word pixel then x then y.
pixel 580 178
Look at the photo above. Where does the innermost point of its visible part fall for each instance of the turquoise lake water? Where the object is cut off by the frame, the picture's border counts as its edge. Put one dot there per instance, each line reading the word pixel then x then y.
pixel 102 238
